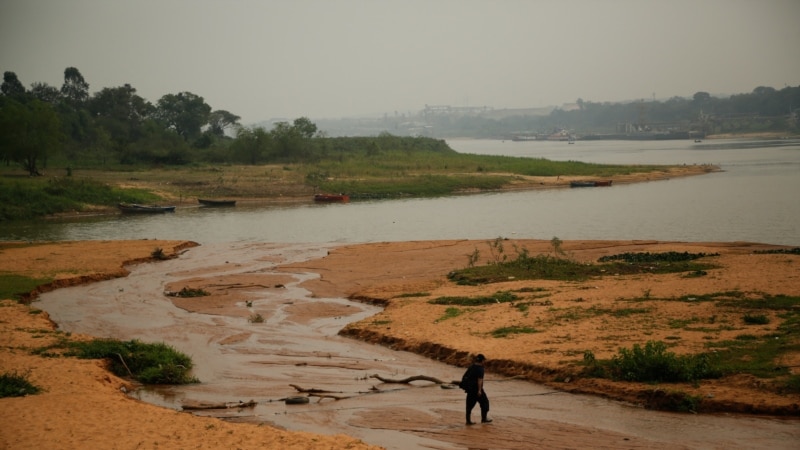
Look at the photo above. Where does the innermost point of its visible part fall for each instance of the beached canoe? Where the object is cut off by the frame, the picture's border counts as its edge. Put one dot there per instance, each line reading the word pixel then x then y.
pixel 133 208
pixel 331 198
pixel 210 202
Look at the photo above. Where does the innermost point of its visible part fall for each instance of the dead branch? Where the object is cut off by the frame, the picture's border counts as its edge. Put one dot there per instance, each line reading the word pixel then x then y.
pixel 227 405
pixel 409 379
pixel 313 390
pixel 335 397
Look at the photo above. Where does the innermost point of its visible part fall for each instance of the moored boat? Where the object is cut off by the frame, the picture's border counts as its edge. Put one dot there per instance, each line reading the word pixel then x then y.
pixel 135 208
pixel 331 198
pixel 590 183
pixel 210 202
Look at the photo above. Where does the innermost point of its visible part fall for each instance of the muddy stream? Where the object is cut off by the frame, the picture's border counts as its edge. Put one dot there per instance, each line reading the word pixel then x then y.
pixel 293 341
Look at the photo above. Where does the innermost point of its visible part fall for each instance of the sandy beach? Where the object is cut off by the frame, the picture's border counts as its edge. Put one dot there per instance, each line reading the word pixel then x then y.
pixel 84 406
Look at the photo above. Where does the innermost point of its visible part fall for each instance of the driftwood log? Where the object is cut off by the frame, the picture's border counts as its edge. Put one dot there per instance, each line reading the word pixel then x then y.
pixel 409 379
pixel 227 405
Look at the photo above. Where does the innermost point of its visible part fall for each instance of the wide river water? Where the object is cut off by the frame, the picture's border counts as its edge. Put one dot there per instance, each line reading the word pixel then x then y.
pixel 753 199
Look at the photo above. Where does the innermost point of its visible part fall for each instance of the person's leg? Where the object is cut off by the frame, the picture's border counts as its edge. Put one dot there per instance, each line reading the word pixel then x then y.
pixel 471 401
pixel 484 403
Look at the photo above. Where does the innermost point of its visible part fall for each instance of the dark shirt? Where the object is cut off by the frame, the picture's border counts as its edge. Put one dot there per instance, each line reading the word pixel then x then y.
pixel 476 373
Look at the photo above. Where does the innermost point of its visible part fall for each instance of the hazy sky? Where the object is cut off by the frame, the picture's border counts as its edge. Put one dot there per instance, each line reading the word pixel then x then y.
pixel 263 59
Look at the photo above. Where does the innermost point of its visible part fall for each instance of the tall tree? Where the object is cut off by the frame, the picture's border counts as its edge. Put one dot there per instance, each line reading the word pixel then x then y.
pixel 11 85
pixel 28 132
pixel 75 89
pixel 121 112
pixel 186 113
pixel 305 127
pixel 220 120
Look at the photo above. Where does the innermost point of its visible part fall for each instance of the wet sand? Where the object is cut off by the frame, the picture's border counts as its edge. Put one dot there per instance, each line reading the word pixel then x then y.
pixel 298 343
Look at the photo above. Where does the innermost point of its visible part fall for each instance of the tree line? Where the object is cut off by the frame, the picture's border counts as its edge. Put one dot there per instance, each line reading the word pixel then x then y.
pixel 117 126
pixel 763 109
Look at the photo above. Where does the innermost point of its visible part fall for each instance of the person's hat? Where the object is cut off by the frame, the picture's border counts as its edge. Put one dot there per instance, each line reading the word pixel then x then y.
pixel 480 357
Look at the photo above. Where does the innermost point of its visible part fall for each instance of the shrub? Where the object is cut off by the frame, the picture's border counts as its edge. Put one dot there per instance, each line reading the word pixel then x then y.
pixel 256 318
pixel 147 363
pixel 755 319
pixel 13 384
pixel 654 363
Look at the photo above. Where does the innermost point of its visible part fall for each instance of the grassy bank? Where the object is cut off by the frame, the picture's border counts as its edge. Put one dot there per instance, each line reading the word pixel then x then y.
pixel 406 172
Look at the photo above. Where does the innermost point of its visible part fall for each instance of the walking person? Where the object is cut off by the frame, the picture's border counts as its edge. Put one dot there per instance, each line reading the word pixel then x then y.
pixel 475 391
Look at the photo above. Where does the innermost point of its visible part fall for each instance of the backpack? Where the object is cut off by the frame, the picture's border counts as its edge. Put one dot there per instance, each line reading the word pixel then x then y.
pixel 466 379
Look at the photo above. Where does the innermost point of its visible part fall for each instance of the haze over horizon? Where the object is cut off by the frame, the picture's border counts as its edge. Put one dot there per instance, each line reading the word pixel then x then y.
pixel 345 58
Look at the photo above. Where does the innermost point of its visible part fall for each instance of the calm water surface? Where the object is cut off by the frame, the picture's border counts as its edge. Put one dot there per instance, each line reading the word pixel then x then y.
pixel 754 200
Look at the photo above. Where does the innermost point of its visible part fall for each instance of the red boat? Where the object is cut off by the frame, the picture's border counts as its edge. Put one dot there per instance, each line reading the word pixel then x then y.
pixel 331 198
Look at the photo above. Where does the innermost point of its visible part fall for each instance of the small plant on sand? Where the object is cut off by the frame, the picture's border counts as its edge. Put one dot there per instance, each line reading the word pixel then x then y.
pixel 450 313
pixel 256 318
pixel 755 319
pixel 190 292
pixel 514 329
pixel 158 253
pixel 13 384
pixel 498 297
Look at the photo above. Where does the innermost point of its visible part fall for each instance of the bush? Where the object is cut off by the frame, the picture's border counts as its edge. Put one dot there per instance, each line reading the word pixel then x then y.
pixel 13 384
pixel 147 363
pixel 654 363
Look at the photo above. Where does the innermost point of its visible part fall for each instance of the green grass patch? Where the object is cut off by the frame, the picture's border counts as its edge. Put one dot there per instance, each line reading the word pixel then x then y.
pixel 780 251
pixel 13 384
pixel 508 331
pixel 38 196
pixel 450 313
pixel 498 297
pixel 148 363
pixel 413 294
pixel 15 286
pixel 547 267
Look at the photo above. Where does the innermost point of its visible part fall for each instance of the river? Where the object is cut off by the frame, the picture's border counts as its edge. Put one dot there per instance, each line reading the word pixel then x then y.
pixel 753 199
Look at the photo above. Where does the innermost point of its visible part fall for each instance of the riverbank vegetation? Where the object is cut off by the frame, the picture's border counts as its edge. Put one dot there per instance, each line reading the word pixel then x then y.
pixel 114 146
pixel 766 325
pixel 147 363
pixel 384 166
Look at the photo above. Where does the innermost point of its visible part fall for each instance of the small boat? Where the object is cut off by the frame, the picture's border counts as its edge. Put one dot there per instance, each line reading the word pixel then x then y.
pixel 209 202
pixel 133 208
pixel 590 183
pixel 331 198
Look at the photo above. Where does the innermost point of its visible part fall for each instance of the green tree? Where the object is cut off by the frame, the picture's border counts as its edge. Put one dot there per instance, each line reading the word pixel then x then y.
pixel 220 120
pixel 121 112
pixel 11 86
pixel 75 89
pixel 251 145
pixel 28 132
pixel 305 127
pixel 185 112
pixel 46 93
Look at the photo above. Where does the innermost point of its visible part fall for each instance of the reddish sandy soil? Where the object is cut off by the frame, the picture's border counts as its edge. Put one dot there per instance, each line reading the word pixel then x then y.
pixel 84 406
